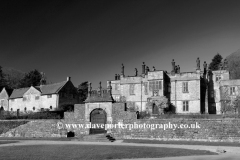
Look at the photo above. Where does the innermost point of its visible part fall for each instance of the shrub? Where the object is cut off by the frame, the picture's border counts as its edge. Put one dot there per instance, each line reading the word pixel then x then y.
pixel 34 115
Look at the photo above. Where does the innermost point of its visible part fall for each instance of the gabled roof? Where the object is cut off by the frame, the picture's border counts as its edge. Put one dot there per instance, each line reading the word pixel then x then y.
pixel 8 91
pixel 52 88
pixel 17 93
pixel 44 89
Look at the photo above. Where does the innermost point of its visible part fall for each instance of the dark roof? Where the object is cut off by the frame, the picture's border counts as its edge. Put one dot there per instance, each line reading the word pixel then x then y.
pixel 52 88
pixel 17 93
pixel 44 89
pixel 104 97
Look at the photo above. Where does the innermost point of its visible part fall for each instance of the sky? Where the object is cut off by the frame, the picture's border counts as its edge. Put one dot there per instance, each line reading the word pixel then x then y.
pixel 88 40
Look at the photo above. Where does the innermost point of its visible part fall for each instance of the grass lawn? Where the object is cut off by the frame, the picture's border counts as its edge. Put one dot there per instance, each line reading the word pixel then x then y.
pixel 233 144
pixel 90 152
pixel 43 138
pixel 6 142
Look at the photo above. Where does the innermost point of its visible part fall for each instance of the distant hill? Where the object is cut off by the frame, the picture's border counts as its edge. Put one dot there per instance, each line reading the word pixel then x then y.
pixel 13 76
pixel 234 64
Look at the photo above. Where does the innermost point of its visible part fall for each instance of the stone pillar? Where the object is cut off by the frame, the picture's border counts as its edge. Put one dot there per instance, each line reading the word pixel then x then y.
pixel 100 89
pixel 89 89
pixel 206 100
pixel 136 72
pixel 198 63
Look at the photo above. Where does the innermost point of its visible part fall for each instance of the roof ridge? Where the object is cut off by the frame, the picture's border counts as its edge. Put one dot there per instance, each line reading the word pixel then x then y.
pixel 53 83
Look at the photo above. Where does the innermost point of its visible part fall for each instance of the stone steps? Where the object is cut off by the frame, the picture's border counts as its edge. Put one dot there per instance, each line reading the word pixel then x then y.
pixel 99 138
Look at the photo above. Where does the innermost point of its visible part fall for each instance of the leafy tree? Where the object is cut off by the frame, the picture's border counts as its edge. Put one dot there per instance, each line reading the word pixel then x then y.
pixel 160 102
pixel 234 64
pixel 216 62
pixel 33 78
pixel 2 79
pixel 83 91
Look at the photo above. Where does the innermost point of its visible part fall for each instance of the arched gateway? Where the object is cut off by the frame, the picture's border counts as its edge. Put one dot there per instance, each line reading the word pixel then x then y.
pixel 98 119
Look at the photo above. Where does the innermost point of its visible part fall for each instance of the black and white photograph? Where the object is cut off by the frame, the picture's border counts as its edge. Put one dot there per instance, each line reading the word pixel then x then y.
pixel 119 79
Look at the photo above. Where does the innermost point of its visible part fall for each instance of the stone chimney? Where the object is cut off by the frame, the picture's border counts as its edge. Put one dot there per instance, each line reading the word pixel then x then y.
pixel 109 87
pixel 154 69
pixel 122 72
pixel 147 70
pixel 173 67
pixel 116 77
pixel 68 78
pixel 178 69
pixel 143 68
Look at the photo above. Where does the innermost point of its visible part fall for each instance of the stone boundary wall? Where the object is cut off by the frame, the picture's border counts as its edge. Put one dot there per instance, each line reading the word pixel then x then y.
pixel 225 130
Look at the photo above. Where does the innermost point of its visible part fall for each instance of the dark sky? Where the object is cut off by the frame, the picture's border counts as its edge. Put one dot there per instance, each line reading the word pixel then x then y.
pixel 88 40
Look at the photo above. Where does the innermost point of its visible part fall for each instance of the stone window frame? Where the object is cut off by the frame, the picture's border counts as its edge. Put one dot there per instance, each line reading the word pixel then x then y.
pixel 185 106
pixel 37 97
pixel 155 85
pixel 232 90
pixel 132 89
pixel 185 87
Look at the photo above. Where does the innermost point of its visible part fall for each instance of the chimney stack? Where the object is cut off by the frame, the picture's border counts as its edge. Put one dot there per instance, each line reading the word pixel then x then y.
pixel 143 68
pixel 147 70
pixel 116 77
pixel 173 67
pixel 122 73
pixel 68 78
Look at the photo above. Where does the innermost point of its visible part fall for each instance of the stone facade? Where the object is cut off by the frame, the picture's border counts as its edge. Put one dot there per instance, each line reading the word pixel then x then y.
pixel 195 92
pixel 41 97
pixel 4 99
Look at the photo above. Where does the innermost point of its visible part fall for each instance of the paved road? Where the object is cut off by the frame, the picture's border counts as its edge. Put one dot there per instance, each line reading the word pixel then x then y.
pixel 232 153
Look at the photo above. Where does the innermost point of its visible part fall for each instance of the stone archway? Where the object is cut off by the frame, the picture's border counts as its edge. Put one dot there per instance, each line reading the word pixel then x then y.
pixel 98 119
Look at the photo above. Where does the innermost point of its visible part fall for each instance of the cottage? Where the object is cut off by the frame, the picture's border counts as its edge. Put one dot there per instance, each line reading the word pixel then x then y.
pixel 36 98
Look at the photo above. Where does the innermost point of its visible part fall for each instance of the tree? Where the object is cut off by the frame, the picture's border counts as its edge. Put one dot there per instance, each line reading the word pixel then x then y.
pixel 83 91
pixel 160 102
pixel 216 62
pixel 229 103
pixel 2 79
pixel 33 78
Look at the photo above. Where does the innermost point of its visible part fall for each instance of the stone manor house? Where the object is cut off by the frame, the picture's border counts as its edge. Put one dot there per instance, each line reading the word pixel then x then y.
pixel 197 92
pixel 194 92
